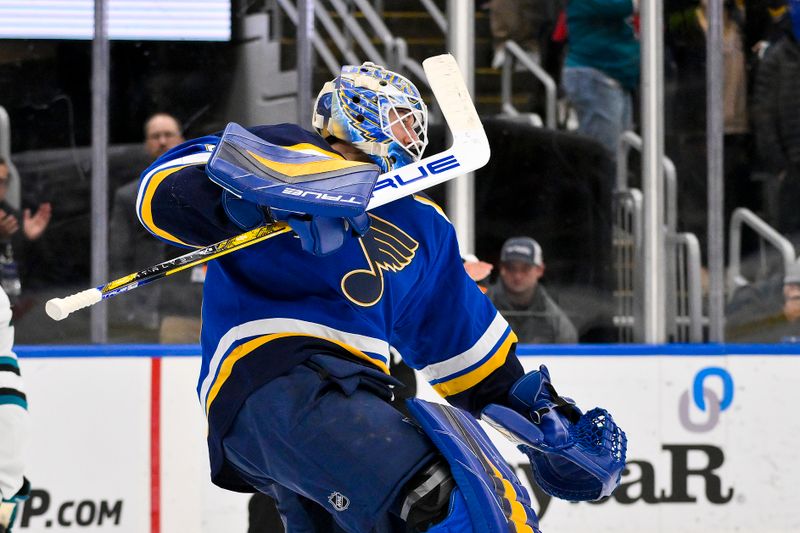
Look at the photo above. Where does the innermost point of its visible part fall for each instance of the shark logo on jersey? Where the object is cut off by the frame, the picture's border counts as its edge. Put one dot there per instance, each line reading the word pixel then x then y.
pixel 387 248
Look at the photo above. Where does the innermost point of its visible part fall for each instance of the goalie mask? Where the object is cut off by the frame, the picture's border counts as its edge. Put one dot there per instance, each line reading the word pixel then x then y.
pixel 378 111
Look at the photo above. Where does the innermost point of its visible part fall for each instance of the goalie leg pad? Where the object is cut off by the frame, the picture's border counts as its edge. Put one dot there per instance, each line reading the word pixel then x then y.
pixel 458 520
pixel 494 498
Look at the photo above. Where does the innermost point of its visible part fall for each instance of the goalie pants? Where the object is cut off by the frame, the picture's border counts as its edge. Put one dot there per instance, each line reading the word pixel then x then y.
pixel 323 436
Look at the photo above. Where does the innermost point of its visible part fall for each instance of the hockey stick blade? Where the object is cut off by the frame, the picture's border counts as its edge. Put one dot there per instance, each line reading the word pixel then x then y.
pixel 469 152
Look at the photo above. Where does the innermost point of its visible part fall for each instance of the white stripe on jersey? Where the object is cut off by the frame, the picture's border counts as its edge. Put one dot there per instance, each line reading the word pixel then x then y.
pixel 464 360
pixel 266 326
pixel 9 380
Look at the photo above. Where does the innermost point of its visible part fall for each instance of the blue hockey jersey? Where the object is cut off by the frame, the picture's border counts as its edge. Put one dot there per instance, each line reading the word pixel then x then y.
pixel 399 289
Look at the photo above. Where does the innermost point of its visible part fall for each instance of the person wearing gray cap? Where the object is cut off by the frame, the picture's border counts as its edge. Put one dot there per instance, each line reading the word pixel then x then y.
pixel 523 301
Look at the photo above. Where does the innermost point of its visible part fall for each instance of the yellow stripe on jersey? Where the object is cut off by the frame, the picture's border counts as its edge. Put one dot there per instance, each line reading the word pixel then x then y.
pixel 146 211
pixel 250 346
pixel 237 353
pixel 308 147
pixel 426 201
pixel 475 376
pixel 307 169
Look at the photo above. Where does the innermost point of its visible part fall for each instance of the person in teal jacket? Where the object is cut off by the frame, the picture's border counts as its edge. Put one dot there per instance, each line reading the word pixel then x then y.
pixel 601 70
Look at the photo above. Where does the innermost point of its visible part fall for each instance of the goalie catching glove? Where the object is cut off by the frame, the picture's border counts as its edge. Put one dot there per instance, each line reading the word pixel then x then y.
pixel 574 456
pixel 320 195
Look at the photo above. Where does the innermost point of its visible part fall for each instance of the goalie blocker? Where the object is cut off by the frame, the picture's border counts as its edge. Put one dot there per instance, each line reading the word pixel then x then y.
pixel 321 197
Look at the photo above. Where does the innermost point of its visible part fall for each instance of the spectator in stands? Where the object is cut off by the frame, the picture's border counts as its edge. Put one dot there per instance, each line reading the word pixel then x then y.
pixel 766 311
pixel 686 94
pixel 162 131
pixel 169 308
pixel 602 67
pixel 777 123
pixel 523 301
pixel 526 22
pixel 772 23
pixel 33 225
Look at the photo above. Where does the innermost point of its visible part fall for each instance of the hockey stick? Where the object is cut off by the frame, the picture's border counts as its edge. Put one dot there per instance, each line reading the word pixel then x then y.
pixel 469 151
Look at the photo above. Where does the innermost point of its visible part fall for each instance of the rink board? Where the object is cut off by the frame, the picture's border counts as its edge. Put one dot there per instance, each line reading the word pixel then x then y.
pixel 118 439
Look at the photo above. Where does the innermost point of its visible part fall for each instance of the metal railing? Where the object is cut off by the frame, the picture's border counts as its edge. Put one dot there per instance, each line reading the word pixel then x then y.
pixel 436 14
pixel 337 36
pixel 358 33
pixel 744 217
pixel 630 139
pixel 322 49
pixel 687 320
pixel 684 314
pixel 627 245
pixel 515 53
pixel 395 54
pixel 396 47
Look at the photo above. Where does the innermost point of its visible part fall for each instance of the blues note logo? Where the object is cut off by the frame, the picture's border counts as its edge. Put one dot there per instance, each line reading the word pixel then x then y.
pixel 386 248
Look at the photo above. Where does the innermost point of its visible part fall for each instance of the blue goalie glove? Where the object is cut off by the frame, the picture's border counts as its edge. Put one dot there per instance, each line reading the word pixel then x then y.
pixel 574 456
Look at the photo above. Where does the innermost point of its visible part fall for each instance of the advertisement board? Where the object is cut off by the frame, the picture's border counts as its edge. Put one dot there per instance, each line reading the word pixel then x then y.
pixel 118 443
pixel 118 440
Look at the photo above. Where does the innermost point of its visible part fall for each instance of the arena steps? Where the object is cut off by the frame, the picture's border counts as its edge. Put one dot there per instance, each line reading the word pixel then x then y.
pixel 413 23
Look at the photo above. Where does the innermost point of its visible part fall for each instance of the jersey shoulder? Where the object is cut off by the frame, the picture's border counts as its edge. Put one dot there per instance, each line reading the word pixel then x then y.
pixel 293 137
pixel 416 208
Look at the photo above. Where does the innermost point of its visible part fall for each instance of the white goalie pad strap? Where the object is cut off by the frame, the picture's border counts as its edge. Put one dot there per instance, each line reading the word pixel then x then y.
pixel 317 120
pixel 369 148
pixel 369 82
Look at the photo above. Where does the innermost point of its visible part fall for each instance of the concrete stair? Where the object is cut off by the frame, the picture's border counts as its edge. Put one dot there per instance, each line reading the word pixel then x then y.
pixel 410 20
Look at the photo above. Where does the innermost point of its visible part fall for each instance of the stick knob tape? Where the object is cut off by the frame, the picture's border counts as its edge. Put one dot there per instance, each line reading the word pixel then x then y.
pixel 61 308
